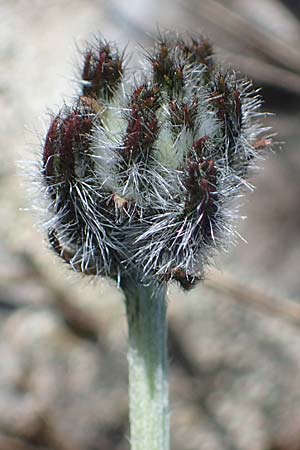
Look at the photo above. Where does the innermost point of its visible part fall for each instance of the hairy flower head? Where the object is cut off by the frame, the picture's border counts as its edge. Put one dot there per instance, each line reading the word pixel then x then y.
pixel 141 175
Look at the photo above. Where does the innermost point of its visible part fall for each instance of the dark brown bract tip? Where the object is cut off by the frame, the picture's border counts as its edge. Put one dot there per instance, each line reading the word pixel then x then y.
pixel 167 69
pixel 200 51
pixel 183 115
pixel 227 101
pixel 102 71
pixel 186 281
pixel 142 126
pixel 68 137
pixel 202 193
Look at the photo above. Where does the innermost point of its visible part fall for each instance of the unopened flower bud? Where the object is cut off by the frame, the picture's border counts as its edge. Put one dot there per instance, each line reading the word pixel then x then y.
pixel 141 177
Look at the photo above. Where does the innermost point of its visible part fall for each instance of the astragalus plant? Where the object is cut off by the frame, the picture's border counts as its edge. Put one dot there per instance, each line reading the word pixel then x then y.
pixel 140 173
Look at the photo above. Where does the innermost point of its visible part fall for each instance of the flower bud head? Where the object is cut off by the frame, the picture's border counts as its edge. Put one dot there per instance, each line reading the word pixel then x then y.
pixel 141 176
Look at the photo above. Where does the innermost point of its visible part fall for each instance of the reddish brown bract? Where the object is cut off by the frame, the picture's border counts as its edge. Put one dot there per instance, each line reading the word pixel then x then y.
pixel 183 114
pixel 167 70
pixel 142 126
pixel 202 193
pixel 67 137
pixel 102 70
pixel 199 51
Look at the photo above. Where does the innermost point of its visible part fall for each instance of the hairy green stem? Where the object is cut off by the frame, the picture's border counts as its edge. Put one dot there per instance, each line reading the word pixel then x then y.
pixel 148 366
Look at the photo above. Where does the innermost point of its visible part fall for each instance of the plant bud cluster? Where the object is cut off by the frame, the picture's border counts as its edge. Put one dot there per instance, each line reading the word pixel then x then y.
pixel 140 176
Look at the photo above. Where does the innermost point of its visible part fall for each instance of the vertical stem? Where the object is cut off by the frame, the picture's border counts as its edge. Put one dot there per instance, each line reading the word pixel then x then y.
pixel 148 366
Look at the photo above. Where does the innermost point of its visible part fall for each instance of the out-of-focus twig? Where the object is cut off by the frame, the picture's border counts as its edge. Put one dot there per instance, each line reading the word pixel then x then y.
pixel 265 72
pixel 253 35
pixel 252 297
pixel 79 321
pixel 13 443
pixel 83 324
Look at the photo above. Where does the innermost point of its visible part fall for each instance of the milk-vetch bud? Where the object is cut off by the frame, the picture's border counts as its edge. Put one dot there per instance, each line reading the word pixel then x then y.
pixel 140 176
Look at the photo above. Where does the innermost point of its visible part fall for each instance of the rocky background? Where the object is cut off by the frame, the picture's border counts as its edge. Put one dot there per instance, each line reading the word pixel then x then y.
pixel 235 340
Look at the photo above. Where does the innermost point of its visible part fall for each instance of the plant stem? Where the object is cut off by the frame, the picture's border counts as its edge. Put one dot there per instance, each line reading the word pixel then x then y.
pixel 148 366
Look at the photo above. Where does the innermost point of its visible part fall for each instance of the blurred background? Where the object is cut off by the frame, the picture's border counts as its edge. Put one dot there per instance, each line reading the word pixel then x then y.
pixel 235 340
